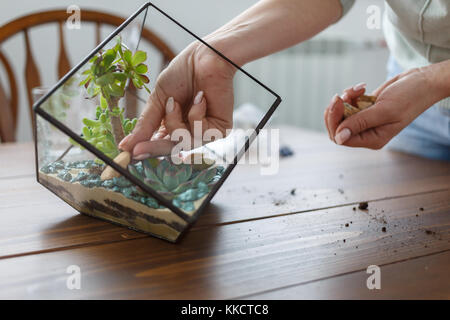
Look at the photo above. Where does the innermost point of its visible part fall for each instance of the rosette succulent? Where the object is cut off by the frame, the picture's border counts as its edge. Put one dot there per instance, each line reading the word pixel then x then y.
pixel 172 180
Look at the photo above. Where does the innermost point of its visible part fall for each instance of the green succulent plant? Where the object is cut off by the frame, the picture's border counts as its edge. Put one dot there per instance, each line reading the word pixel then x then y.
pixel 106 77
pixel 170 179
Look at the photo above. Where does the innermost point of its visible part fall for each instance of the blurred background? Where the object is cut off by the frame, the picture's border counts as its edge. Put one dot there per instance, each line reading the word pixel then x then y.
pixel 305 76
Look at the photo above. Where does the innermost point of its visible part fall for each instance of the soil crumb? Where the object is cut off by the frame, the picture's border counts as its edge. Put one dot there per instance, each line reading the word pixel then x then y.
pixel 383 229
pixel 363 205
pixel 293 192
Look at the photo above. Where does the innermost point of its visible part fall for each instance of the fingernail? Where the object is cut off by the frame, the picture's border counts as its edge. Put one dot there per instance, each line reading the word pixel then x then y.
pixel 159 135
pixel 170 105
pixel 359 86
pixel 198 98
pixel 125 140
pixel 142 156
pixel 342 136
pixel 334 102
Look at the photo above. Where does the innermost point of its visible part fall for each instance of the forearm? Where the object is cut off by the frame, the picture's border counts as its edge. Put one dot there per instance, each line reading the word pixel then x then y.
pixel 438 76
pixel 271 26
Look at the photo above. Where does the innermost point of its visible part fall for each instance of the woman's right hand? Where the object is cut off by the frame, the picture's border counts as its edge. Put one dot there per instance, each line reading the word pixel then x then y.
pixel 196 86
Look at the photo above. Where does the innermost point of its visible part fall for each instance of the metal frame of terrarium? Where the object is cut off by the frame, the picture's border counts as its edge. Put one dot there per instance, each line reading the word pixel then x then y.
pixel 124 172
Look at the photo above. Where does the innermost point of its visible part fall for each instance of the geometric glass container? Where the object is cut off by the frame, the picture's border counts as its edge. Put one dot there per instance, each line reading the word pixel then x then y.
pixel 76 131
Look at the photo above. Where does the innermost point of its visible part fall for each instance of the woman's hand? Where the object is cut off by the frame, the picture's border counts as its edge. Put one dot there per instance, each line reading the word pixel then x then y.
pixel 196 86
pixel 399 101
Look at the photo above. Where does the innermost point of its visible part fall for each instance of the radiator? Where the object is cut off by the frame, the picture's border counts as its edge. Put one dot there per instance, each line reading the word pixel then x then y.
pixel 308 75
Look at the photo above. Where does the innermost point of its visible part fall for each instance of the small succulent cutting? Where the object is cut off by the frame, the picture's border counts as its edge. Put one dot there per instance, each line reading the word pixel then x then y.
pixel 107 77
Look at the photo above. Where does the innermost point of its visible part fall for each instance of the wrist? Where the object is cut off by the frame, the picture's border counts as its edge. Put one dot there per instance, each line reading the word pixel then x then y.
pixel 207 59
pixel 438 78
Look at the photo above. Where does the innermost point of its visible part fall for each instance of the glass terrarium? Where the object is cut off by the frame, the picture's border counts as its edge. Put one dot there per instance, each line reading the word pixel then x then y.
pixel 81 120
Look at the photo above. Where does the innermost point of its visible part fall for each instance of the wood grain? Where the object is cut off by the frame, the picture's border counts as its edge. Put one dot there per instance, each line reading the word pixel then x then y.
pixel 431 280
pixel 241 259
pixel 63 59
pixel 31 72
pixel 7 128
pixel 16 160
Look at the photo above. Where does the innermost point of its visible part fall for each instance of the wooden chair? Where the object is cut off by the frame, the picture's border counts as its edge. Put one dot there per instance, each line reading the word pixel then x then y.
pixel 9 103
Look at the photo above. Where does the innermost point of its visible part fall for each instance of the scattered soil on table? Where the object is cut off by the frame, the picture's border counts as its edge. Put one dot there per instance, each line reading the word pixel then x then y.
pixel 421 209
pixel 293 191
pixel 430 232
pixel 383 229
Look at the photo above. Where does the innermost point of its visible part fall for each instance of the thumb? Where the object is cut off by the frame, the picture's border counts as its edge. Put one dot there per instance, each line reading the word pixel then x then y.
pixel 360 122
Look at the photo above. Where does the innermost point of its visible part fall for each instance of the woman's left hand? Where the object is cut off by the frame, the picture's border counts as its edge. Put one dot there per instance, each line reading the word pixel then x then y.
pixel 399 101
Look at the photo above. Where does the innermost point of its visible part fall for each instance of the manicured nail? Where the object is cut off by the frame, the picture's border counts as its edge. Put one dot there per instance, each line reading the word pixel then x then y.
pixel 142 156
pixel 159 135
pixel 359 86
pixel 170 105
pixel 125 140
pixel 343 136
pixel 198 98
pixel 334 102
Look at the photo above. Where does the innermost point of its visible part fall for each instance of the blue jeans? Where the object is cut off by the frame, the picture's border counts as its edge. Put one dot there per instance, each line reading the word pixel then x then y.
pixel 428 135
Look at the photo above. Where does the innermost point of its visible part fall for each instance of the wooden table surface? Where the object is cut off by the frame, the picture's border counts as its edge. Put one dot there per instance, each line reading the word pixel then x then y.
pixel 258 239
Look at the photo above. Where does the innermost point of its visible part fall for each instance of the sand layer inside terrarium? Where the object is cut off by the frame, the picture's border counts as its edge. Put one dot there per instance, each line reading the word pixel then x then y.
pixel 114 206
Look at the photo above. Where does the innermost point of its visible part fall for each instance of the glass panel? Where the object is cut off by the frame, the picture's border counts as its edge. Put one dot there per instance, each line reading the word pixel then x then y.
pixel 94 104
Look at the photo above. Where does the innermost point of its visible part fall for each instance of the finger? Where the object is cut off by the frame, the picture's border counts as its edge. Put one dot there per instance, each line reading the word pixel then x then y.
pixel 197 118
pixel 147 149
pixel 354 92
pixel 174 117
pixel 148 122
pixel 161 133
pixel 380 89
pixel 374 138
pixel 335 115
pixel 362 121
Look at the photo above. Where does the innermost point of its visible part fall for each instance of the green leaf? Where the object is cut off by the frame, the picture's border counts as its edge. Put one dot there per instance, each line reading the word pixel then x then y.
pixel 105 80
pixel 109 57
pixel 144 79
pixel 142 68
pixel 127 56
pixel 139 57
pixel 103 103
pixel 86 132
pixel 137 83
pixel 84 81
pixel 90 123
pixel 116 90
pixel 120 76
